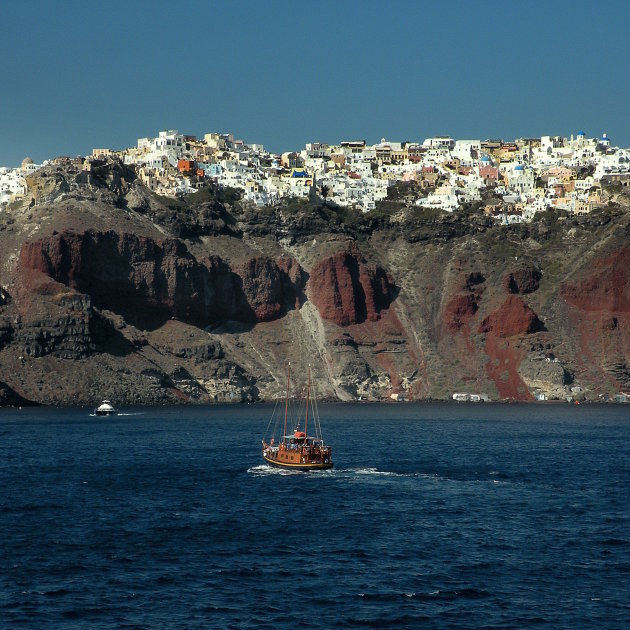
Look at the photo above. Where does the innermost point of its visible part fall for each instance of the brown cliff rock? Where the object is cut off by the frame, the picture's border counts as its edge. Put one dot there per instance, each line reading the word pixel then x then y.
pixel 514 317
pixel 599 313
pixel 149 282
pixel 458 311
pixel 270 288
pixel 473 280
pixel 606 287
pixel 10 398
pixel 525 280
pixel 56 320
pixel 505 358
pixel 133 275
pixel 346 290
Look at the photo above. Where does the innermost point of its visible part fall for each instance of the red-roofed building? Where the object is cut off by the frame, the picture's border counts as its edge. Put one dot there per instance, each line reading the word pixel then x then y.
pixel 489 173
pixel 185 166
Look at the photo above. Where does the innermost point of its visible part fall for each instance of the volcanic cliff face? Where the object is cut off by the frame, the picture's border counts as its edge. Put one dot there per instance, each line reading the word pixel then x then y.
pixel 598 309
pixel 149 282
pixel 107 290
pixel 524 280
pixel 512 318
pixel 605 287
pixel 271 287
pixel 459 311
pixel 346 290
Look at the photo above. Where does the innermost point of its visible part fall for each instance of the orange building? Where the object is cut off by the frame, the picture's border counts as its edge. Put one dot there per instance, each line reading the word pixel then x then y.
pixel 185 166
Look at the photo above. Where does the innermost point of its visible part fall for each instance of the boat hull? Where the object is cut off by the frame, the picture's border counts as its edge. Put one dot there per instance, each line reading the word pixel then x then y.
pixel 299 466
pixel 104 413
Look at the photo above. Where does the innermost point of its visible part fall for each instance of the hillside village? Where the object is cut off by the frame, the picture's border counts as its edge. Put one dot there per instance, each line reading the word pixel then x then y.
pixel 383 260
pixel 509 181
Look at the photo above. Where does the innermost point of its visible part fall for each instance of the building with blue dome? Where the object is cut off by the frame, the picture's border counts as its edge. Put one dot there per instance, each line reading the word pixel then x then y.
pixel 522 181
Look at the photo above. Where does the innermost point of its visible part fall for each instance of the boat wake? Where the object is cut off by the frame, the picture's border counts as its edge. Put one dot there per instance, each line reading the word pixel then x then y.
pixel 136 413
pixel 375 471
pixel 265 469
pixel 367 473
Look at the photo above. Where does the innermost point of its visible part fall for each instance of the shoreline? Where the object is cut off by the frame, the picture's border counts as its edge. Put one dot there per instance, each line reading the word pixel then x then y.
pixel 331 401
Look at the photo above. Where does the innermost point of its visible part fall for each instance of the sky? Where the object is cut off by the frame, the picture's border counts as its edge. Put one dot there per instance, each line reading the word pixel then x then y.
pixel 79 75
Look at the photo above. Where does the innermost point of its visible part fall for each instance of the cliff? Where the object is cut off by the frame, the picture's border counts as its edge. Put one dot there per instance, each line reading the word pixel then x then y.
pixel 107 290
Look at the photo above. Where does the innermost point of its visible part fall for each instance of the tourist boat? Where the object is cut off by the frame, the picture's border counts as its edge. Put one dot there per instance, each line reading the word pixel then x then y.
pixel 294 449
pixel 105 409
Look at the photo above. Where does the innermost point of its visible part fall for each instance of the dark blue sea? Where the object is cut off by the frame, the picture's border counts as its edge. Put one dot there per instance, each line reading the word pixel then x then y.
pixel 436 515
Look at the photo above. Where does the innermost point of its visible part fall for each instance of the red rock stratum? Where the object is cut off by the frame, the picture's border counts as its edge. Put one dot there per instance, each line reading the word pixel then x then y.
pixel 514 317
pixel 346 290
pixel 459 311
pixel 147 280
pixel 606 287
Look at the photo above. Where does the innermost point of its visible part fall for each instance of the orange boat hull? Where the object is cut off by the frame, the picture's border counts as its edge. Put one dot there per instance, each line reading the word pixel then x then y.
pixel 296 459
pixel 298 465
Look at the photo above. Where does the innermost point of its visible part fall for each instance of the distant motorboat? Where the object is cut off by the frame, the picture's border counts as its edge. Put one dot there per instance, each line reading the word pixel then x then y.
pixel 105 409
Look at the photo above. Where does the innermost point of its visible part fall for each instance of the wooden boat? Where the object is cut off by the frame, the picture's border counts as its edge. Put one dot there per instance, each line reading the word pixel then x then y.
pixel 295 449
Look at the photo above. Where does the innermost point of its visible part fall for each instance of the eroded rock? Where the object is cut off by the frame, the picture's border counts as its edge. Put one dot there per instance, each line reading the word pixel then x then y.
pixel 514 317
pixel 346 290
pixel 523 281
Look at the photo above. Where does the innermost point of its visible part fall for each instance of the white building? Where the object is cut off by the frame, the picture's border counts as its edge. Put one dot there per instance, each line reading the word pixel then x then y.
pixel 12 185
pixel 522 180
pixel 440 142
pixel 467 151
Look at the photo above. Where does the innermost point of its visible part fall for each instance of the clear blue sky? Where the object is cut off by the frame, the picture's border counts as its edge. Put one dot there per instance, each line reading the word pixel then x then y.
pixel 77 75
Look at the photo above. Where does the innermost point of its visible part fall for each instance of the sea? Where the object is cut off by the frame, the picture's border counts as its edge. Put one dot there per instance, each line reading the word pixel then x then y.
pixel 435 515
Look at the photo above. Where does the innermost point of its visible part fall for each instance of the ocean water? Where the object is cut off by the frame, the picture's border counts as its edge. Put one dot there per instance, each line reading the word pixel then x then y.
pixel 436 515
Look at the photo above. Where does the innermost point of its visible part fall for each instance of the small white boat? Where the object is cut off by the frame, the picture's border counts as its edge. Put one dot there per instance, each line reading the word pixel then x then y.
pixel 105 409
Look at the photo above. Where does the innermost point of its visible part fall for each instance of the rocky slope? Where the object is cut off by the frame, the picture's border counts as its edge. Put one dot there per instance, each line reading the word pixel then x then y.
pixel 107 290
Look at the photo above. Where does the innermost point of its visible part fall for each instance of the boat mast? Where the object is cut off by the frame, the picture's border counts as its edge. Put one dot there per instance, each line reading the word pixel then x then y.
pixel 308 393
pixel 286 403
